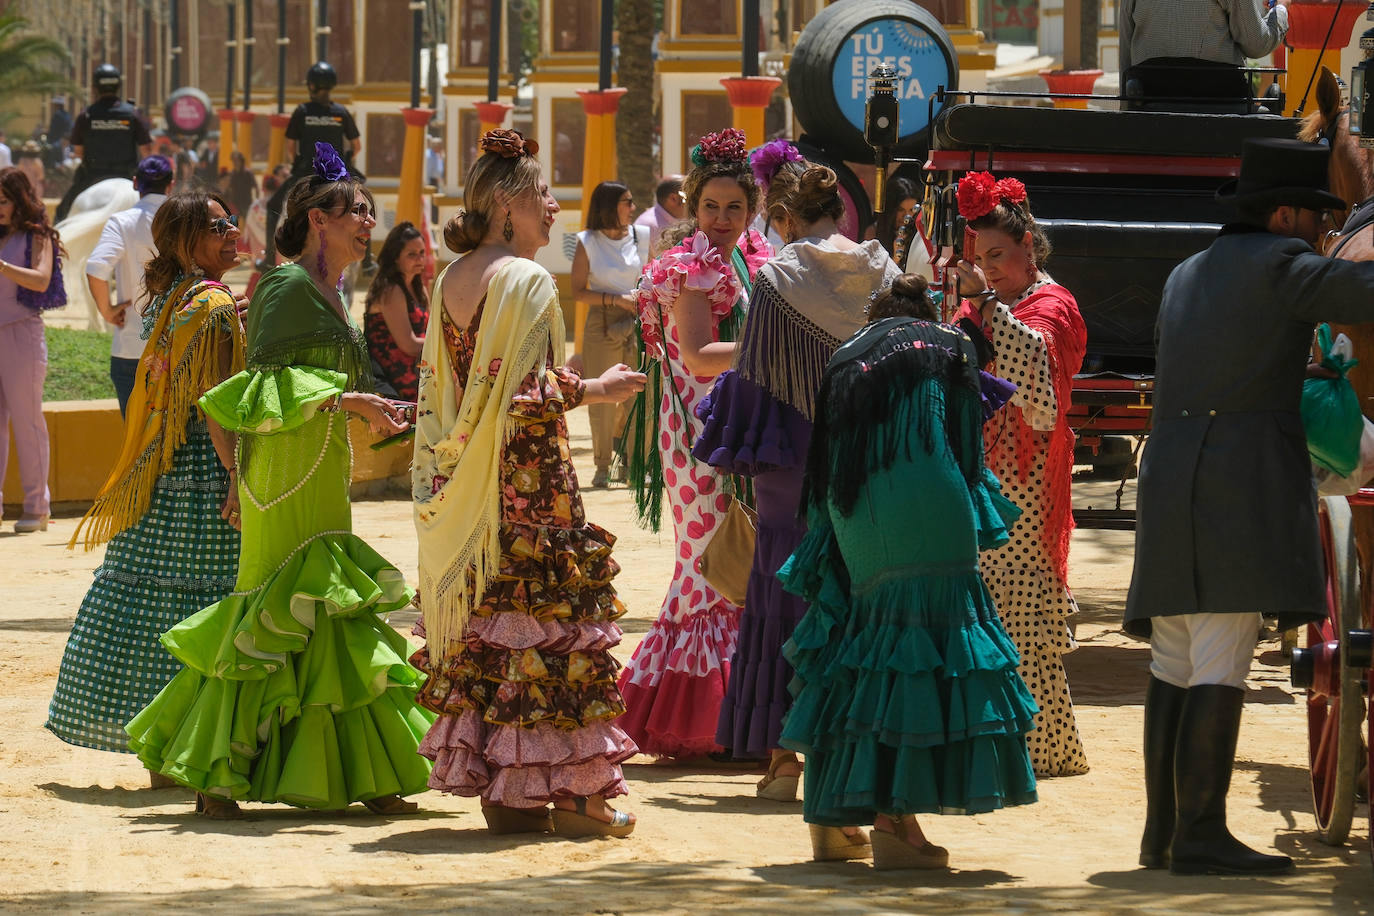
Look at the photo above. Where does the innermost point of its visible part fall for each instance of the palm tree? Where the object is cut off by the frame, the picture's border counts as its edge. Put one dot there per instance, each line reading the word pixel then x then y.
pixel 635 124
pixel 30 63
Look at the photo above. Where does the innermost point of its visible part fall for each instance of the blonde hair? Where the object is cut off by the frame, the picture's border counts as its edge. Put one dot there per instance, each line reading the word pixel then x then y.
pixel 490 173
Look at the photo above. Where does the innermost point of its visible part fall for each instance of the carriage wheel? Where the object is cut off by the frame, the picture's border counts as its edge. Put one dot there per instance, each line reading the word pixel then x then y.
pixel 1335 701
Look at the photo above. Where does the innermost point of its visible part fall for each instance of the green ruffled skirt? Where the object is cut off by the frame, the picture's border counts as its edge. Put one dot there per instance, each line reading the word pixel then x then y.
pixel 906 695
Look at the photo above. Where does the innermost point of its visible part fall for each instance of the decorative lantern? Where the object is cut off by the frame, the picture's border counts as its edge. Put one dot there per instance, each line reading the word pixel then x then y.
pixel 880 127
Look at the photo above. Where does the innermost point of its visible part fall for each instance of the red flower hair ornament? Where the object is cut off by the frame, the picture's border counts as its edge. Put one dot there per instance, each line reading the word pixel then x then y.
pixel 726 146
pixel 979 194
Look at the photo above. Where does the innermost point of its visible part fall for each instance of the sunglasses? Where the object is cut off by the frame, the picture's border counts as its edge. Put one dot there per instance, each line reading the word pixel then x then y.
pixel 222 225
pixel 362 211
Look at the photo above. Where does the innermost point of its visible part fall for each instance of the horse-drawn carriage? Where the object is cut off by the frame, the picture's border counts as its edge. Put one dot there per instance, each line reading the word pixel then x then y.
pixel 1124 196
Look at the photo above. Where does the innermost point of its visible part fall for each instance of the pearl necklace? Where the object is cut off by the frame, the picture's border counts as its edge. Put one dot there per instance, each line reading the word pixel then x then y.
pixel 319 459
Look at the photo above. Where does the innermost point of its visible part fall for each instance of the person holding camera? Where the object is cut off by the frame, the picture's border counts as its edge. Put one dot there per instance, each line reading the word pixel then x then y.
pixel 1039 341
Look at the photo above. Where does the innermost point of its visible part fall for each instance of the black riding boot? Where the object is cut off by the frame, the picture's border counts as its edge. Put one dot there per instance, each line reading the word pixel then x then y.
pixel 1163 704
pixel 1206 752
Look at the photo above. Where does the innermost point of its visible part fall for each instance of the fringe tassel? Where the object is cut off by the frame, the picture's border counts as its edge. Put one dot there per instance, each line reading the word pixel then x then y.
pixel 783 351
pixel 639 439
pixel 124 500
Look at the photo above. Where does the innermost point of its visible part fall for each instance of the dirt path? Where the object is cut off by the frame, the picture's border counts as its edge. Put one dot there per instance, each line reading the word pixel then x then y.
pixel 79 830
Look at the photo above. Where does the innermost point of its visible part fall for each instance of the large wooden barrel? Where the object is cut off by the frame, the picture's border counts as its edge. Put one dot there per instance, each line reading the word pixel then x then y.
pixel 189 113
pixel 828 79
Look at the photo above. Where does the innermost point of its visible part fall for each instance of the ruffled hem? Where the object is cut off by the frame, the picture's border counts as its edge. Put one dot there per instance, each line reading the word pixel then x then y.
pixel 993 513
pixel 262 401
pixel 525 766
pixel 552 573
pixel 295 692
pixel 1035 607
pixel 747 431
pixel 698 646
pixel 907 698
pixel 252 634
pixel 677 716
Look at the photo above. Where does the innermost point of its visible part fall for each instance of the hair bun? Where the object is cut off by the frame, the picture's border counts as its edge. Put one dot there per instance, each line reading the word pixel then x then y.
pixel 464 231
pixel 912 286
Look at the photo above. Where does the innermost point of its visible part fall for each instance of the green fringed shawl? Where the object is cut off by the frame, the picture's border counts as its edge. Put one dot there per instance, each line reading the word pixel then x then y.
pixel 291 324
pixel 639 440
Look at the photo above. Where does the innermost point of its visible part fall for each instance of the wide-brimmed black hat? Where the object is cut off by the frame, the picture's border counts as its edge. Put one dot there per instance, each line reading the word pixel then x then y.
pixel 1282 173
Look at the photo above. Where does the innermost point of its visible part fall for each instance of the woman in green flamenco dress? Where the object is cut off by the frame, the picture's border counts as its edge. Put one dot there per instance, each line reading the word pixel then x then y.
pixel 906 695
pixel 295 689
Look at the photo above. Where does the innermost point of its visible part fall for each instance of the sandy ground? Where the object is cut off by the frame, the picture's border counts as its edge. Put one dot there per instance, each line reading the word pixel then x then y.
pixel 80 831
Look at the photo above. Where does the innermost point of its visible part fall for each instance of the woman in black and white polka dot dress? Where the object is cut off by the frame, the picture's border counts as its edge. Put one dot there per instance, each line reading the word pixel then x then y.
pixel 1039 339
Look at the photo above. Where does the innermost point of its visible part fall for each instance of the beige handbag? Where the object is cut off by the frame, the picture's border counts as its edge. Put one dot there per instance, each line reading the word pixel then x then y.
pixel 728 556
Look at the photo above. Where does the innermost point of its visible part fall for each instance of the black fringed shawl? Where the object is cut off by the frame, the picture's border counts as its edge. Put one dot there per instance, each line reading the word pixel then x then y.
pixel 893 377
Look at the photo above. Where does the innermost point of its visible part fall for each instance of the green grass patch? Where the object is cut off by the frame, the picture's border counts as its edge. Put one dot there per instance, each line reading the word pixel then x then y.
pixel 78 365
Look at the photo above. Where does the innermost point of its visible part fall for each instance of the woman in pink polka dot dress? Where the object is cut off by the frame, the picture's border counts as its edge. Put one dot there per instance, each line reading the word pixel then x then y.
pixel 692 301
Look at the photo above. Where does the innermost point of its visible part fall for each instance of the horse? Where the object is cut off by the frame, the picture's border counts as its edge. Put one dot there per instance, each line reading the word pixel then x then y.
pixel 80 232
pixel 1351 177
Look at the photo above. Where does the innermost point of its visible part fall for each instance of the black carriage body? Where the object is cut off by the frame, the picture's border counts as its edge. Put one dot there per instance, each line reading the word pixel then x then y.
pixel 1124 197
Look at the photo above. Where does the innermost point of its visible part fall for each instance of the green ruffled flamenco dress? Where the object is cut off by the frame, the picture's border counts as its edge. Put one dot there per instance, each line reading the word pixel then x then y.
pixel 906 694
pixel 295 689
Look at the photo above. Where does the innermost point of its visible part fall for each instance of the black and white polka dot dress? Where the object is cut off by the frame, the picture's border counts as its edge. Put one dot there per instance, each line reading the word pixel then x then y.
pixel 1034 601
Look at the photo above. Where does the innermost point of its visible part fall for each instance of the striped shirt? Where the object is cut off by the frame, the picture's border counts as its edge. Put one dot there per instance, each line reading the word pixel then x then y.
pixel 1223 31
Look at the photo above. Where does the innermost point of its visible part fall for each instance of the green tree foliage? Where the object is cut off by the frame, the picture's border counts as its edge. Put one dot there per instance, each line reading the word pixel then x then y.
pixel 30 64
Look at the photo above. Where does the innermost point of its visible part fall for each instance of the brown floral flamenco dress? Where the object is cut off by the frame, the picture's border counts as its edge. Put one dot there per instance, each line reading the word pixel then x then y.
pixel 527 705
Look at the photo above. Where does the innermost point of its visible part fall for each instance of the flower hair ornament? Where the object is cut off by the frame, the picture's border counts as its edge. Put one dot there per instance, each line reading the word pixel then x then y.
pixel 979 194
pixel 727 146
pixel 508 144
pixel 769 158
pixel 328 165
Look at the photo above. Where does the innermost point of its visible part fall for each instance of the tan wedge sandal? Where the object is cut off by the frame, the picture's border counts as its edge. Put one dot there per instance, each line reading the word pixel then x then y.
pixel 502 820
pixel 892 851
pixel 776 786
pixel 832 844
pixel 579 823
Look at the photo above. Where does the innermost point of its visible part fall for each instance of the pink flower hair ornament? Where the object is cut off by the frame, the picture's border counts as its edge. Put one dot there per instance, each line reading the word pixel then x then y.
pixel 979 194
pixel 726 146
pixel 769 158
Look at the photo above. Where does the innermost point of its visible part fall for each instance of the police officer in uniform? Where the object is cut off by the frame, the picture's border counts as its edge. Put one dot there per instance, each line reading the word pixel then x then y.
pixel 109 137
pixel 318 120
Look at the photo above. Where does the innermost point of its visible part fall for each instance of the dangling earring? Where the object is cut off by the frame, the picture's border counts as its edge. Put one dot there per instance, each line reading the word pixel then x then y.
pixel 319 258
pixel 508 231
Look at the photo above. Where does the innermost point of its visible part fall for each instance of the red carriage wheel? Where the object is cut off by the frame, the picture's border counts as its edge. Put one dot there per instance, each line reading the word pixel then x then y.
pixel 1335 695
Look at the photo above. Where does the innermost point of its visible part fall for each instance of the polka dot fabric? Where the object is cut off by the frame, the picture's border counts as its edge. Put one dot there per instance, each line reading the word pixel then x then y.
pixel 676 679
pixel 1034 602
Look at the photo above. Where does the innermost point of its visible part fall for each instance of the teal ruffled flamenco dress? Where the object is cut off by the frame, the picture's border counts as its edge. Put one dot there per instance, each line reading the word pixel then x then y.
pixel 295 689
pixel 906 695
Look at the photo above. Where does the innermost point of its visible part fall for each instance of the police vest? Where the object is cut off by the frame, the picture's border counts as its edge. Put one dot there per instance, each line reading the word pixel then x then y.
pixel 110 142
pixel 317 122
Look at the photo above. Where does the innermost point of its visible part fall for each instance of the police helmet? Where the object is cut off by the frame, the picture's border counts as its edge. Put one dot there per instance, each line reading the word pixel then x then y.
pixel 321 76
pixel 107 79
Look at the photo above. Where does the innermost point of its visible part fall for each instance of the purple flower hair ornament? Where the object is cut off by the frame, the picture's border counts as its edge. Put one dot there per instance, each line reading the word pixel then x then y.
pixel 773 155
pixel 328 165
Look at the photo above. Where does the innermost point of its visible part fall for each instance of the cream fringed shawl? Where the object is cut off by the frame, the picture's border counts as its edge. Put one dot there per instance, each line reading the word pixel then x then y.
pixel 460 435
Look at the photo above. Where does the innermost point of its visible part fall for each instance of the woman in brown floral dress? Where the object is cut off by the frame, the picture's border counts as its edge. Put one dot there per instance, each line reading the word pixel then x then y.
pixel 519 612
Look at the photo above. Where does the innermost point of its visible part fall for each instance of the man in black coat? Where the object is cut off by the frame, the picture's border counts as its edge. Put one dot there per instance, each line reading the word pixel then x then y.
pixel 1227 510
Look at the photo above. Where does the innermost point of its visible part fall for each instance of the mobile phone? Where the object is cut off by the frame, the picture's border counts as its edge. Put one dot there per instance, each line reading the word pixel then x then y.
pixel 959 237
pixel 970 245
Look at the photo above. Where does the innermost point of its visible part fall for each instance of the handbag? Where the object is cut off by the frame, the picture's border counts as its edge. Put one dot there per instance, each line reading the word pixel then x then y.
pixel 729 555
pixel 1331 413
pixel 55 296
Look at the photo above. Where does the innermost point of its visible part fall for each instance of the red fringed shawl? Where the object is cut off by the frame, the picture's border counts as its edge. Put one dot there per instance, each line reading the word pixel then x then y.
pixel 1053 312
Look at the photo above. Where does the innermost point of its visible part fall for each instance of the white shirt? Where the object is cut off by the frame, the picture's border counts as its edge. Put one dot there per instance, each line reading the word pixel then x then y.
pixel 5 160
pixel 125 248
pixel 614 265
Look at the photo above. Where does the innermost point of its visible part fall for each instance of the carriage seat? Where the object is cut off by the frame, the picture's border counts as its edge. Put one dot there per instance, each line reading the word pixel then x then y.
pixel 1068 130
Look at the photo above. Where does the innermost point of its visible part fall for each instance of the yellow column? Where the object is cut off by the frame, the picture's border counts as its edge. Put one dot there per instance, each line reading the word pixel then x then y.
pixel 598 163
pixel 749 96
pixel 245 137
pixel 492 114
pixel 1309 22
pixel 276 147
pixel 227 119
pixel 410 196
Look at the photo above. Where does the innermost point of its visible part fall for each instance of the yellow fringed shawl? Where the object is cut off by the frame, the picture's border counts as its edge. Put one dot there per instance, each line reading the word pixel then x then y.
pixel 460 435
pixel 179 363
